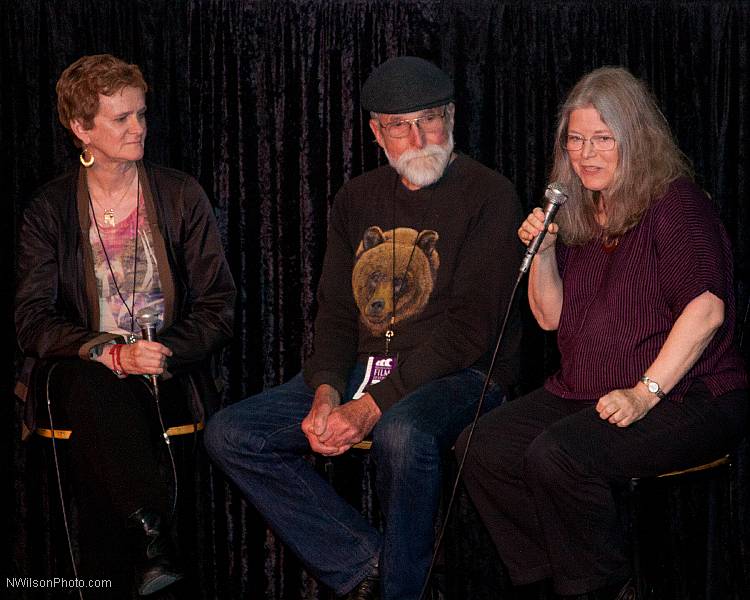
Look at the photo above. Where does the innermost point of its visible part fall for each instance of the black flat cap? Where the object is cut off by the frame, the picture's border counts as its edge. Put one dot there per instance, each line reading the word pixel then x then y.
pixel 406 84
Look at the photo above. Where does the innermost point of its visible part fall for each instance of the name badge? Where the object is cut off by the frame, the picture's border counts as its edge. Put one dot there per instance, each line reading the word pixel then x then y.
pixel 378 368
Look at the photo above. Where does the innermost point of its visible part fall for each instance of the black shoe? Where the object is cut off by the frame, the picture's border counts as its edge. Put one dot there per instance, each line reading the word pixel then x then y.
pixel 155 569
pixel 627 592
pixel 367 589
pixel 618 591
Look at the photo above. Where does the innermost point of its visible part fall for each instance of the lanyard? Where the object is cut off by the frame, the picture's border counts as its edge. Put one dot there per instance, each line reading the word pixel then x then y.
pixel 390 332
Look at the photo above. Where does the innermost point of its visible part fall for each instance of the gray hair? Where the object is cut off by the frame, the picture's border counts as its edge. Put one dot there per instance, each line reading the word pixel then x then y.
pixel 649 158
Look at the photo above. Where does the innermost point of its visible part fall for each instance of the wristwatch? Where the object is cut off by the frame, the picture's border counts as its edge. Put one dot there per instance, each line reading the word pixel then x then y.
pixel 652 386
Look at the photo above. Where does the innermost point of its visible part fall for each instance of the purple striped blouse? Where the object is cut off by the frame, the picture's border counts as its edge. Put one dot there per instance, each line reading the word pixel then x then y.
pixel 619 306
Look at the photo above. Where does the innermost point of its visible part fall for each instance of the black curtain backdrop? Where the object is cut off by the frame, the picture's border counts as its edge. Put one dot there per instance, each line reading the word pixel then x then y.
pixel 260 101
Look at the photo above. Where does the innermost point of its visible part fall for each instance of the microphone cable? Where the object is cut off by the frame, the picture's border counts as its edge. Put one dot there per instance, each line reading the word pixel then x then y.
pixel 59 480
pixel 147 319
pixel 472 427
pixel 556 195
pixel 154 389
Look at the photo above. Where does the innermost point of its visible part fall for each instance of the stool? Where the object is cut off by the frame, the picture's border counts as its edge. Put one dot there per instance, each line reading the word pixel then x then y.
pixel 175 430
pixel 714 468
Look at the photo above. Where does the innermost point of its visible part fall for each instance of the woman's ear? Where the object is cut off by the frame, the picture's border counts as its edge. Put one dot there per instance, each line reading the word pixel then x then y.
pixel 76 126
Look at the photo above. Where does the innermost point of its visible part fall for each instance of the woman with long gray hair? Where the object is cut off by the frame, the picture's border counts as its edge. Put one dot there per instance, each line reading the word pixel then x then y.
pixel 636 278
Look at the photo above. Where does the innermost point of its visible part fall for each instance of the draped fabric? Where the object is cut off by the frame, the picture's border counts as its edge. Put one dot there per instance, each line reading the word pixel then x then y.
pixel 260 101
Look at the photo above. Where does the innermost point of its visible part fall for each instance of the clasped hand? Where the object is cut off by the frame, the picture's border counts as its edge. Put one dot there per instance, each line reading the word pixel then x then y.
pixel 144 358
pixel 625 407
pixel 332 428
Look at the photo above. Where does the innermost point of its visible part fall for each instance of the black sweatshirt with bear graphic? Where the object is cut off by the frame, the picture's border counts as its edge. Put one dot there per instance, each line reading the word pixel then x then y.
pixel 456 260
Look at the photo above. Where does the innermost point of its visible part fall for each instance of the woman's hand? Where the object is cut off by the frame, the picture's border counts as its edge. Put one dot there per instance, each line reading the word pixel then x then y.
pixel 624 407
pixel 690 334
pixel 532 227
pixel 144 358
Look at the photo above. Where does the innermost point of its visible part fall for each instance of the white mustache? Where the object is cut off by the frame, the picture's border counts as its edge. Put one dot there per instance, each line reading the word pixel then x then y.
pixel 424 166
pixel 426 152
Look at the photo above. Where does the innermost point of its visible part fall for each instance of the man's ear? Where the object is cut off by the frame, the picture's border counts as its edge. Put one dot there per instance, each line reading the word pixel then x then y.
pixel 377 132
pixel 76 126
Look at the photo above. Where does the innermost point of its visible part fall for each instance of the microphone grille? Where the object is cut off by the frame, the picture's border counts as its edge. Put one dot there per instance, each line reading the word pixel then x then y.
pixel 146 317
pixel 556 193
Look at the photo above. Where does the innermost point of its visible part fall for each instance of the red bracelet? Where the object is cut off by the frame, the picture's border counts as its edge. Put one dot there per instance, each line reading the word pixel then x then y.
pixel 115 351
pixel 119 359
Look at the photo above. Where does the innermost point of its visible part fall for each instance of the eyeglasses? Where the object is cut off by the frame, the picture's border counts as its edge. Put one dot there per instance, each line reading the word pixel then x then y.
pixel 429 123
pixel 601 143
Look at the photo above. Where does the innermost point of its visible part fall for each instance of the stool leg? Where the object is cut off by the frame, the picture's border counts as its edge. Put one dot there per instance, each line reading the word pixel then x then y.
pixel 735 552
pixel 635 538
pixel 714 552
pixel 712 538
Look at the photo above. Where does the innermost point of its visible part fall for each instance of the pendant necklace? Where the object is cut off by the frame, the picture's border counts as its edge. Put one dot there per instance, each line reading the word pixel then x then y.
pixel 109 213
pixel 130 308
pixel 109 217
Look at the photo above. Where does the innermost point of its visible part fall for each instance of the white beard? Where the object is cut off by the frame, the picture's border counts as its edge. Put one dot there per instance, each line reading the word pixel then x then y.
pixel 425 166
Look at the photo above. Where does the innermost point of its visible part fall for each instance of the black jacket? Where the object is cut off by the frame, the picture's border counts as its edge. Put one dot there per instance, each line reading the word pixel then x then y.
pixel 56 295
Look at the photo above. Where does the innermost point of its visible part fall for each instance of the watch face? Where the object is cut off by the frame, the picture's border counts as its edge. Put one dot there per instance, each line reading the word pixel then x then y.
pixel 653 387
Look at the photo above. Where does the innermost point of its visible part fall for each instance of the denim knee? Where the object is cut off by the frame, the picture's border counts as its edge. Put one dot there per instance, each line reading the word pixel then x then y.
pixel 399 442
pixel 220 435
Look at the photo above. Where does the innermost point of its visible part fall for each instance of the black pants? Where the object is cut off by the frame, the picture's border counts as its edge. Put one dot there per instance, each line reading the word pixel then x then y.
pixel 540 471
pixel 116 438
pixel 118 461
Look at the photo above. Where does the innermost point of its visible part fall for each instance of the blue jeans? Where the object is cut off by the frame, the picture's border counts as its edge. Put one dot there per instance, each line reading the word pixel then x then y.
pixel 259 444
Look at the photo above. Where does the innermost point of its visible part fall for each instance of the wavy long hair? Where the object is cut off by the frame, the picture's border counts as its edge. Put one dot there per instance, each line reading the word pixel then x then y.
pixel 649 159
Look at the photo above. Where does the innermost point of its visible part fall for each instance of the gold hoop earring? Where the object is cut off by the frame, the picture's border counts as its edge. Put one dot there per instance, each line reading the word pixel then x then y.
pixel 82 158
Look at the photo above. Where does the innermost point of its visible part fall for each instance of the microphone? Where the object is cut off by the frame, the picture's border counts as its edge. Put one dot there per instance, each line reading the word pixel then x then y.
pixel 146 319
pixel 556 195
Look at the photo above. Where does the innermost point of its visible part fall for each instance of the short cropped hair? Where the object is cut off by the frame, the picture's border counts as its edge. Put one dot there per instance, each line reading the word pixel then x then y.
pixel 81 83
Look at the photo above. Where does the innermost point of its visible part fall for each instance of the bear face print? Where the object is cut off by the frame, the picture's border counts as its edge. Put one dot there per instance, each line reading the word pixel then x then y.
pixel 375 285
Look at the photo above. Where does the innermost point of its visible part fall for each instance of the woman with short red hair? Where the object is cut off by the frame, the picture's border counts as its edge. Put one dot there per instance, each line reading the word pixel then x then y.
pixel 114 239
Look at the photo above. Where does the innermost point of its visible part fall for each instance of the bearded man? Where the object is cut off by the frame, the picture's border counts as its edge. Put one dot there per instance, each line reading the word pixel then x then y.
pixel 428 244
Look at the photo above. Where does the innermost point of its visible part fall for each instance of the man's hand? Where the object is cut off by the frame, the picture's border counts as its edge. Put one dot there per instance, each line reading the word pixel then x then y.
pixel 315 423
pixel 625 407
pixel 350 423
